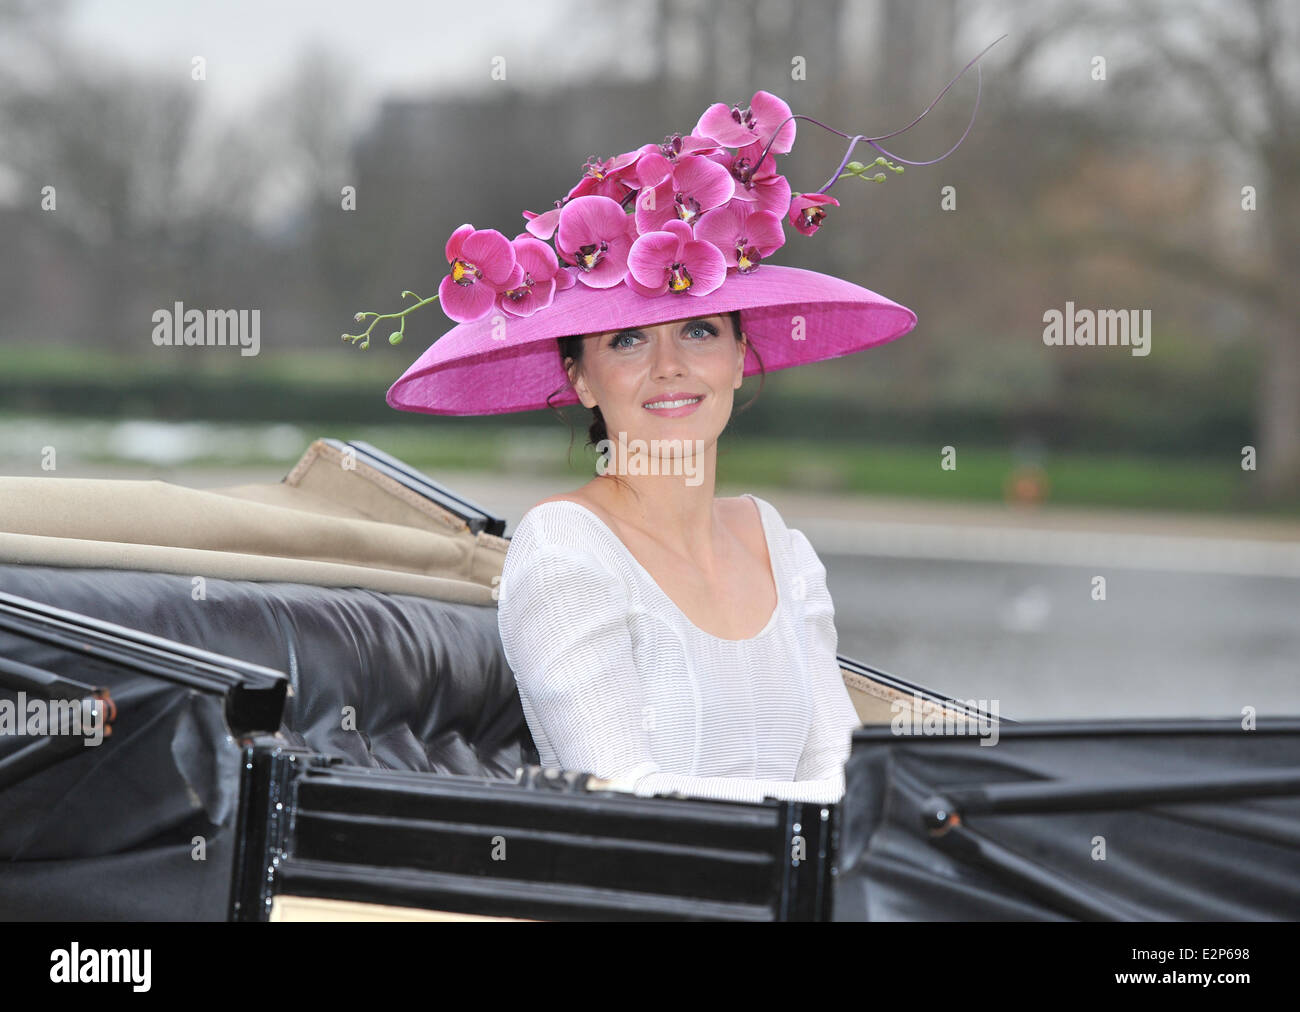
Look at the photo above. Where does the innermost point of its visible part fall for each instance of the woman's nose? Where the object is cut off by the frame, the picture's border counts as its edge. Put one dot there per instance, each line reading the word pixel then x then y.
pixel 667 357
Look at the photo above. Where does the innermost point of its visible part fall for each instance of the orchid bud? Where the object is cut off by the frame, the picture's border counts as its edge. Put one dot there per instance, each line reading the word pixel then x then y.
pixel 395 337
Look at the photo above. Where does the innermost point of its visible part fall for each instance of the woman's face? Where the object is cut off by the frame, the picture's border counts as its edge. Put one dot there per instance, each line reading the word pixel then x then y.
pixel 631 373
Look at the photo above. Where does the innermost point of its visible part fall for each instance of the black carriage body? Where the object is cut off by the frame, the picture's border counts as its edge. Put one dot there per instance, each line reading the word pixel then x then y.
pixel 225 786
pixel 287 751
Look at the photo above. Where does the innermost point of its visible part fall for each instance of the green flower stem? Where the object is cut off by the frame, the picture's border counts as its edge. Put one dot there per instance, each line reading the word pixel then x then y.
pixel 396 336
pixel 860 170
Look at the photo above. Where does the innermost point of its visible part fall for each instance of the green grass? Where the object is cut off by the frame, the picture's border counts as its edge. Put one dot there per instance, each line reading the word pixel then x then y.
pixel 324 377
pixel 982 474
pixel 327 366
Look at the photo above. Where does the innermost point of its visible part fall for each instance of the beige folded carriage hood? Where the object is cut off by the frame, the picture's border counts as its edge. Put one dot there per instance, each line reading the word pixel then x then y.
pixel 333 521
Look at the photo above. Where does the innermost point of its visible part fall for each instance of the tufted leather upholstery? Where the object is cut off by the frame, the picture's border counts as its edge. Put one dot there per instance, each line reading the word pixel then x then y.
pixel 427 680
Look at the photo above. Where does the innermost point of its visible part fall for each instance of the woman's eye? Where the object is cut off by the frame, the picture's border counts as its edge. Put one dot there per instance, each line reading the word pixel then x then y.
pixel 697 331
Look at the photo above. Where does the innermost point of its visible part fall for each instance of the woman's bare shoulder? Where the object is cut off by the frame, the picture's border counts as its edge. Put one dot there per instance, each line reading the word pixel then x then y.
pixel 748 510
pixel 577 499
pixel 589 498
pixel 735 506
pixel 746 523
pixel 736 509
pixel 734 502
pixel 594 518
pixel 573 497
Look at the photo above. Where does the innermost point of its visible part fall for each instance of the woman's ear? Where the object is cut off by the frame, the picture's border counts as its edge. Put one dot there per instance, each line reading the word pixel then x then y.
pixel 742 349
pixel 579 384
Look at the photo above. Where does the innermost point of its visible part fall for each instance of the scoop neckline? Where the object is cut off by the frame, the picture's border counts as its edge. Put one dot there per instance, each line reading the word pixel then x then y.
pixel 771 565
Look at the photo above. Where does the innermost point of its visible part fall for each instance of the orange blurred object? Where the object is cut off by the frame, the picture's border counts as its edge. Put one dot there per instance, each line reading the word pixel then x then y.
pixel 1026 486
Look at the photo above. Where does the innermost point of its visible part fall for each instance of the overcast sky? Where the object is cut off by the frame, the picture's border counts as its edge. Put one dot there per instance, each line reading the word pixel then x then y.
pixel 396 46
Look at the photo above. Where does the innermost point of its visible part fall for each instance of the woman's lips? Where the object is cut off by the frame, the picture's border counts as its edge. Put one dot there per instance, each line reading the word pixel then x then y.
pixel 676 412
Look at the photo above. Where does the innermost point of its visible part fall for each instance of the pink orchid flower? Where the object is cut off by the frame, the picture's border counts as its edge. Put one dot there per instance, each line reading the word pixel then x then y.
pixel 682 191
pixel 609 177
pixel 807 211
pixel 744 235
pixel 737 127
pixel 482 264
pixel 675 146
pixel 543 225
pixel 759 184
pixel 595 234
pixel 539 277
pixel 674 260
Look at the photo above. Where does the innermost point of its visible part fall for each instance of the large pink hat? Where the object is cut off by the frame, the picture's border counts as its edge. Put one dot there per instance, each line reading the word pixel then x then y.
pixel 667 231
pixel 793 316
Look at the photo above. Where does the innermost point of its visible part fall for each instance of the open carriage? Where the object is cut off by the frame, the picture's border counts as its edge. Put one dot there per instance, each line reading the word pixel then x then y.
pixel 303 711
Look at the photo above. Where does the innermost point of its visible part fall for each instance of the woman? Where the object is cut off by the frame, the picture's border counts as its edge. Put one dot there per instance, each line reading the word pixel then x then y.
pixel 662 639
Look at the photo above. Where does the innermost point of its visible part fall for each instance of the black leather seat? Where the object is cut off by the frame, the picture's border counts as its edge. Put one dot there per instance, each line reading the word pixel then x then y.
pixel 381 680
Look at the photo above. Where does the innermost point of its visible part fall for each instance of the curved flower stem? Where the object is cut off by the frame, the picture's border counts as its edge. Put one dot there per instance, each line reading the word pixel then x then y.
pixel 860 170
pixel 396 336
pixel 854 139
pixel 853 142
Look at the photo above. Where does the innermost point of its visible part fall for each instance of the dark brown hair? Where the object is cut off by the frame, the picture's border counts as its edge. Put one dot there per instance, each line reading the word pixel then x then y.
pixel 571 347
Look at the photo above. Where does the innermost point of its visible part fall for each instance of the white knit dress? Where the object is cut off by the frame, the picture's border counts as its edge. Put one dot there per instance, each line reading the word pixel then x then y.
pixel 616 681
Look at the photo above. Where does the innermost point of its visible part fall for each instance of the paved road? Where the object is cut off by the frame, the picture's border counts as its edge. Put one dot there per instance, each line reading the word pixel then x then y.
pixel 1201 615
pixel 1030 635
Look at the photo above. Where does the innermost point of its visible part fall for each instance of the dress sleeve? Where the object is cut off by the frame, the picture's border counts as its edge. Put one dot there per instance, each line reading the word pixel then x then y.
pixel 563 618
pixel 834 717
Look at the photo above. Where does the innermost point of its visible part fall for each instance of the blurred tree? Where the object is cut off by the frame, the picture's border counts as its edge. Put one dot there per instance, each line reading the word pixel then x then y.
pixel 155 203
pixel 313 129
pixel 915 47
pixel 1217 77
pixel 317 109
pixel 28 38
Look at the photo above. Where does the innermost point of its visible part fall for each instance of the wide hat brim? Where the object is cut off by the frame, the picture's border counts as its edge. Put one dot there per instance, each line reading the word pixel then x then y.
pixel 502 363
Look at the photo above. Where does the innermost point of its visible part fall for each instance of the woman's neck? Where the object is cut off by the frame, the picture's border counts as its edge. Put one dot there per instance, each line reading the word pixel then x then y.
pixel 676 510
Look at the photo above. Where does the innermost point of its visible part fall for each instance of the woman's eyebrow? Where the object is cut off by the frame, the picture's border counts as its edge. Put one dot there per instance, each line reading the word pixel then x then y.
pixel 685 325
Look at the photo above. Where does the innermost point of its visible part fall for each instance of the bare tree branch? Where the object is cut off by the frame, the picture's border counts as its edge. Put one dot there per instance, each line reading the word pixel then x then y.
pixel 1265 66
pixel 1183 261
